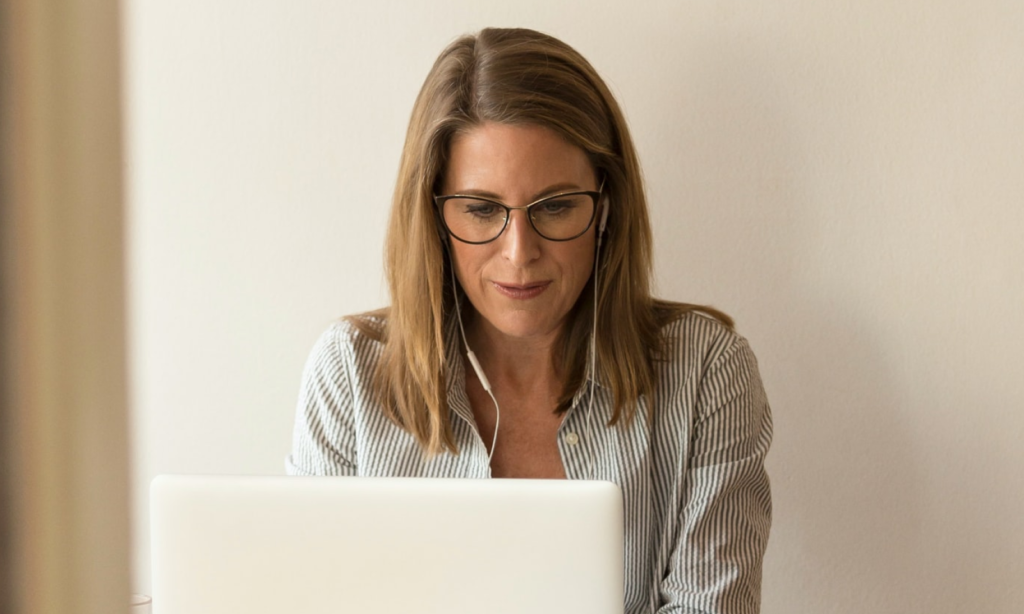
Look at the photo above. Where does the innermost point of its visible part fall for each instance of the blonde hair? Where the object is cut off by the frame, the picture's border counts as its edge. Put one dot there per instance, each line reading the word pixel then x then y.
pixel 515 76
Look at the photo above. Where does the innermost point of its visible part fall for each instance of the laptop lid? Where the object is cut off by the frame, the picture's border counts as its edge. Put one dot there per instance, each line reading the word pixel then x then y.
pixel 276 545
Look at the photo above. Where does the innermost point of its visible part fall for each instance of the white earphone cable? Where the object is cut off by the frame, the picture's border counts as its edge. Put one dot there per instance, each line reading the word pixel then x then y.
pixel 476 364
pixel 592 367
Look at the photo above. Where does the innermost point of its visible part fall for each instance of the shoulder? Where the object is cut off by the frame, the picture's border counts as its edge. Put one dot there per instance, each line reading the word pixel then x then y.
pixel 348 338
pixel 700 355
pixel 708 374
pixel 358 328
pixel 697 337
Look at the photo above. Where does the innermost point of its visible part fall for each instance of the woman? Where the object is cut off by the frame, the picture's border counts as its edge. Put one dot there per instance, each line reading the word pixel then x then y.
pixel 522 340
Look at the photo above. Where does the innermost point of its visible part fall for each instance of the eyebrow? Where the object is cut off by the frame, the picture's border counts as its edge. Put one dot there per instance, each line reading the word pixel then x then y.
pixel 548 191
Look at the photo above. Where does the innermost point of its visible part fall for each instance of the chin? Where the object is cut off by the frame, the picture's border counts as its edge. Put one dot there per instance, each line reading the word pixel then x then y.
pixel 525 328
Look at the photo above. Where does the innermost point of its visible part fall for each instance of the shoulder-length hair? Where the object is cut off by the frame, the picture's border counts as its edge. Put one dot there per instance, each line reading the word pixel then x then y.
pixel 515 76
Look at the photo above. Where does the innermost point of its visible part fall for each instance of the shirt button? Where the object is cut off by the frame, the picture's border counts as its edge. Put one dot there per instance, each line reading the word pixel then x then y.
pixel 572 439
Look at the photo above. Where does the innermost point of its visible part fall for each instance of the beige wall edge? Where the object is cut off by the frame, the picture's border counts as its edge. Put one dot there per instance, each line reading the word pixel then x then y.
pixel 63 382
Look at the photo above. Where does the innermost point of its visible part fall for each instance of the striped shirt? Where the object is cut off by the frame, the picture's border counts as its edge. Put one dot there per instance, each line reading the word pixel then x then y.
pixel 691 465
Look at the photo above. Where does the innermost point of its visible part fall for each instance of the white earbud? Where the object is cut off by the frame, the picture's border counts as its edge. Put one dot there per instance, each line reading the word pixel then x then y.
pixel 604 216
pixel 602 224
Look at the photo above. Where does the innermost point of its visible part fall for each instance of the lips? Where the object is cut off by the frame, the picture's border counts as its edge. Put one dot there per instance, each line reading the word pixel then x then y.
pixel 521 291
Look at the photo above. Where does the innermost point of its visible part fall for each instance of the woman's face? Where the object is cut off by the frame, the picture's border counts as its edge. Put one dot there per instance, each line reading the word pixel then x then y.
pixel 522 284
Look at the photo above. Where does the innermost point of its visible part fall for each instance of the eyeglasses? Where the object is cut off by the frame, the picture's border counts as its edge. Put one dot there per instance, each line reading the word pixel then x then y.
pixel 476 220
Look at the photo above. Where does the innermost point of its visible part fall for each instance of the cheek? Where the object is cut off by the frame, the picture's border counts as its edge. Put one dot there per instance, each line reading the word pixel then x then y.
pixel 466 261
pixel 578 265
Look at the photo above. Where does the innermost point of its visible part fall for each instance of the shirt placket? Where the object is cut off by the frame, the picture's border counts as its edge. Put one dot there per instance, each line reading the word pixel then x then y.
pixel 576 442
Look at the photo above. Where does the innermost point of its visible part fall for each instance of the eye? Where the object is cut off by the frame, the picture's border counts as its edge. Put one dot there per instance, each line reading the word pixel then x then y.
pixel 481 209
pixel 556 207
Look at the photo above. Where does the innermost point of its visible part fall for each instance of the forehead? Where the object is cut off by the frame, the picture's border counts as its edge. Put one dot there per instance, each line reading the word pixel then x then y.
pixel 515 161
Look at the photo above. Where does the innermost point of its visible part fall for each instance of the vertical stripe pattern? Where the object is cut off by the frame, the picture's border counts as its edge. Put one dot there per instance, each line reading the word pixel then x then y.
pixel 691 465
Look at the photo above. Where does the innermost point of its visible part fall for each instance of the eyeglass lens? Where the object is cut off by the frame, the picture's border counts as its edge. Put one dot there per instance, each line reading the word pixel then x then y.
pixel 558 218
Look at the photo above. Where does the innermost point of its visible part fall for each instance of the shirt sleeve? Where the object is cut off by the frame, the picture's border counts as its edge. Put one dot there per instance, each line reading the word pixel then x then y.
pixel 323 441
pixel 715 567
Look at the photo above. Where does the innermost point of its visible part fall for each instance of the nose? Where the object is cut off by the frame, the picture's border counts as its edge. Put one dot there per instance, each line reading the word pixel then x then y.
pixel 520 242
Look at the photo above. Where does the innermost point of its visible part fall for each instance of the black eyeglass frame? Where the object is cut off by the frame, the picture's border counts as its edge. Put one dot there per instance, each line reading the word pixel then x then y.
pixel 439 202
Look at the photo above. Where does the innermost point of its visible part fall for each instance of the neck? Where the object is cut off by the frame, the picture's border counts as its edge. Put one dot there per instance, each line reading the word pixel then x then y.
pixel 517 363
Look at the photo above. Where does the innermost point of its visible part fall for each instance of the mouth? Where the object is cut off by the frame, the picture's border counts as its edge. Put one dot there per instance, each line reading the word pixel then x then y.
pixel 521 291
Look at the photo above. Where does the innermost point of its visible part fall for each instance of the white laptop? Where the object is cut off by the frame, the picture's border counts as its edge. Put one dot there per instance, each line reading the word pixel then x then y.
pixel 284 545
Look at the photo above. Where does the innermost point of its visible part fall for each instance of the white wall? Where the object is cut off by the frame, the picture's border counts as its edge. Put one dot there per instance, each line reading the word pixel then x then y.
pixel 845 178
